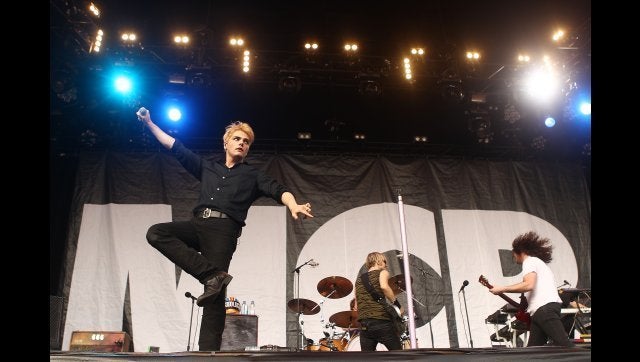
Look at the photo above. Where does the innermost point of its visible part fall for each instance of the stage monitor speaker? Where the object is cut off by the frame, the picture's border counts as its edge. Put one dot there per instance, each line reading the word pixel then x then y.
pixel 55 322
pixel 240 331
pixel 100 341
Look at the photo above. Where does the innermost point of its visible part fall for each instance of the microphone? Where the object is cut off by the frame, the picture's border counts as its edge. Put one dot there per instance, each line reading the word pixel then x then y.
pixel 142 111
pixel 566 283
pixel 313 263
pixel 464 284
pixel 188 295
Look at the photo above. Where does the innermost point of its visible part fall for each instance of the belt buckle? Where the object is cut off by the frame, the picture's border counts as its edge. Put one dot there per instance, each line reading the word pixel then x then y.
pixel 206 213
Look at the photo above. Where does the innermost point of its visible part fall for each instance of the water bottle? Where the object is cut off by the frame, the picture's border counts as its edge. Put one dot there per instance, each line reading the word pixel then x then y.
pixel 244 307
pixel 252 308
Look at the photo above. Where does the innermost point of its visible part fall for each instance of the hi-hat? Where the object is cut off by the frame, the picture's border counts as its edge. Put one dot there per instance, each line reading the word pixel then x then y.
pixel 303 306
pixel 335 287
pixel 397 283
pixel 346 319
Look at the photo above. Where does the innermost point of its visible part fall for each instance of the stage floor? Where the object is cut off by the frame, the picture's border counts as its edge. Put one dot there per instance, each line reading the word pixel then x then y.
pixel 582 353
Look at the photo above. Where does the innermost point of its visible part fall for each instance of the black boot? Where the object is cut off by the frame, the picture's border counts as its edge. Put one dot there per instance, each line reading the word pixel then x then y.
pixel 213 286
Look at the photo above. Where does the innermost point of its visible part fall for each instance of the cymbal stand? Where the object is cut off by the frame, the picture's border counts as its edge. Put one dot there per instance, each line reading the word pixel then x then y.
pixel 301 336
pixel 321 304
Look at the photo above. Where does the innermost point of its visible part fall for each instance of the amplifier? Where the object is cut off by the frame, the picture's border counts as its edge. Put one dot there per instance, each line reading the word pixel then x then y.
pixel 240 331
pixel 100 341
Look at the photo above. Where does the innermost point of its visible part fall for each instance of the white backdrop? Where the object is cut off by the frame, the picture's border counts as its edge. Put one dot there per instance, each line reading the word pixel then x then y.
pixel 112 250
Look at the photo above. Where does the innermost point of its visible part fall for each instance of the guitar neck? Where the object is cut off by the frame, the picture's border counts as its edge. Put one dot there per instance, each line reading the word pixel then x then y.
pixel 509 300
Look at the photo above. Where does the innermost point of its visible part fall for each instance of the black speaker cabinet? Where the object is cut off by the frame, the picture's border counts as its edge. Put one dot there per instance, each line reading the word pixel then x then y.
pixel 240 331
pixel 55 320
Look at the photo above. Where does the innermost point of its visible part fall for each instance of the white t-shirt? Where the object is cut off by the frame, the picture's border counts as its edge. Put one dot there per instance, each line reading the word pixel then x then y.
pixel 544 291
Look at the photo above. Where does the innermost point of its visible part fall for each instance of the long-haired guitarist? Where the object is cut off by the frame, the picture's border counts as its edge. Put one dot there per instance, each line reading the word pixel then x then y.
pixel 539 286
pixel 377 322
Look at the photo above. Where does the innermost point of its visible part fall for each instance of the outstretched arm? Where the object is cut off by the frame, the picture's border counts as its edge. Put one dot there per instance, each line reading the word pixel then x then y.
pixel 527 284
pixel 164 139
pixel 290 201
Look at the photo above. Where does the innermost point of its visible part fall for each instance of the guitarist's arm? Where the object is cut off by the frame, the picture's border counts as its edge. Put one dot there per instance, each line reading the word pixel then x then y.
pixel 526 285
pixel 386 289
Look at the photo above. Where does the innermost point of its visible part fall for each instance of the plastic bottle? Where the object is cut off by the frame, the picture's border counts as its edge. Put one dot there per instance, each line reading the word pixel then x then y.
pixel 252 308
pixel 243 310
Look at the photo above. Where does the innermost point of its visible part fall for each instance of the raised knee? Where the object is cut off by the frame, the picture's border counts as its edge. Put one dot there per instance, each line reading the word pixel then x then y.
pixel 153 234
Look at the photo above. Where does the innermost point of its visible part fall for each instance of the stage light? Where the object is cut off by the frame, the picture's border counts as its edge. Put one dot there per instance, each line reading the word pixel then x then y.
pixel 542 84
pixel 246 61
pixel 123 84
pixel 181 39
pixel 558 35
pixel 473 56
pixel 359 136
pixel 128 37
pixel 407 69
pixel 420 139
pixel 304 135
pixel 174 114
pixel 94 10
pixel 236 42
pixel 351 47
pixel 97 43
pixel 311 46
pixel 585 108
pixel 549 122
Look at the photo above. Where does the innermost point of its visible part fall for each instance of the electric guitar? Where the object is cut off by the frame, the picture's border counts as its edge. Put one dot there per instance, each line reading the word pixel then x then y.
pixel 396 317
pixel 521 314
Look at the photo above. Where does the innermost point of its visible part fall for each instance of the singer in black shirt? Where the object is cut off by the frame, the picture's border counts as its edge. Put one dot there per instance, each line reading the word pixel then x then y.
pixel 204 245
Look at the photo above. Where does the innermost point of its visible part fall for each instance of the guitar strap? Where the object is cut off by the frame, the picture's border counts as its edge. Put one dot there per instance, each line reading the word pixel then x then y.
pixel 367 285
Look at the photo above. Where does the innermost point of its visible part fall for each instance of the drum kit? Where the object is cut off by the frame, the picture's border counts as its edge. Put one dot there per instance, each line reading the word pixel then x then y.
pixel 332 287
pixel 335 287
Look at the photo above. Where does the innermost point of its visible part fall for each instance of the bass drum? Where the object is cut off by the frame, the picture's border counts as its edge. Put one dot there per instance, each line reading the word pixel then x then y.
pixel 354 345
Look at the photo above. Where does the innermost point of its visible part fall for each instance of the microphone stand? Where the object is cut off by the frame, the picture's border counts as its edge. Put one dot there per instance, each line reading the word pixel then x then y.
pixel 190 323
pixel 300 332
pixel 464 297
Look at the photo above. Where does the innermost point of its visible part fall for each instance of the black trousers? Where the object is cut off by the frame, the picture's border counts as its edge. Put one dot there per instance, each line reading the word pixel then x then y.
pixel 200 247
pixel 374 331
pixel 546 324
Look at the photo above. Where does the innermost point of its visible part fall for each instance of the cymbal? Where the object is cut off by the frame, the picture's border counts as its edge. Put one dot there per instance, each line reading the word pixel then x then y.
pixel 397 283
pixel 335 287
pixel 346 319
pixel 307 306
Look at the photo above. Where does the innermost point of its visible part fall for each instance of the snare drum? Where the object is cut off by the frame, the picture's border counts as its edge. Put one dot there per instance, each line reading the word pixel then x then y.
pixel 354 345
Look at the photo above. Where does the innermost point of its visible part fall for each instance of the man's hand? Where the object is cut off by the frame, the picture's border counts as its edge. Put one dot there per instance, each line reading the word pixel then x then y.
pixel 305 210
pixel 144 115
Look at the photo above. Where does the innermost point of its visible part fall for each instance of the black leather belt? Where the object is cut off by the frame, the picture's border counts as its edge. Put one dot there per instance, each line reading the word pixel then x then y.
pixel 207 213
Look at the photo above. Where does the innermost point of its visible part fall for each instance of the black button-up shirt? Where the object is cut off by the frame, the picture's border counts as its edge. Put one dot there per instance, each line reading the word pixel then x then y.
pixel 229 190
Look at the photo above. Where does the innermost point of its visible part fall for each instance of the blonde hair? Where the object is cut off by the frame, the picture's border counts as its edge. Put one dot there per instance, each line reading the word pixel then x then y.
pixel 238 126
pixel 373 258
